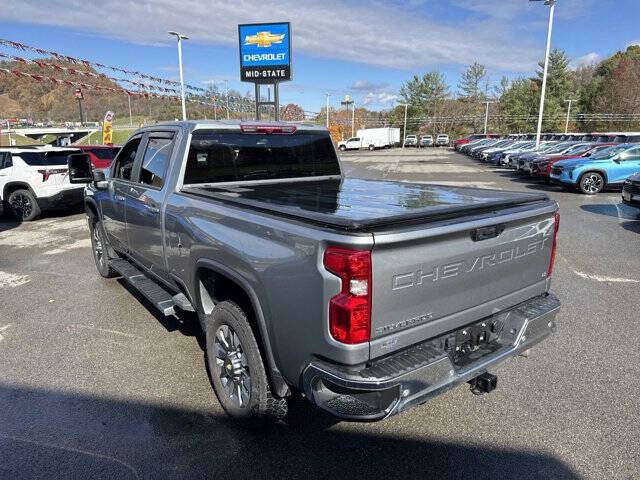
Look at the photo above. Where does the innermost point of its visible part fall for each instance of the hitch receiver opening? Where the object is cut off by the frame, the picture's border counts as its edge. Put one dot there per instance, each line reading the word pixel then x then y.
pixel 484 383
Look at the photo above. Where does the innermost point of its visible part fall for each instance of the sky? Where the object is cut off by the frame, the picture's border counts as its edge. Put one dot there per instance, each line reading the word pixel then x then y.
pixel 364 48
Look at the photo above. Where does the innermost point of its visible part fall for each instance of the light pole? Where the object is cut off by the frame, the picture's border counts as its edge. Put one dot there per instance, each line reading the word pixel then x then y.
pixel 226 86
pixel 551 4
pixel 566 127
pixel 353 118
pixel 346 102
pixel 486 116
pixel 327 109
pixel 404 132
pixel 181 37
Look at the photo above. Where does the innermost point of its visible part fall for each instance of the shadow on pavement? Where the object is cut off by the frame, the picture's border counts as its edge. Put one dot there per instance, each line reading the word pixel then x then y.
pixel 48 434
pixel 621 211
pixel 7 223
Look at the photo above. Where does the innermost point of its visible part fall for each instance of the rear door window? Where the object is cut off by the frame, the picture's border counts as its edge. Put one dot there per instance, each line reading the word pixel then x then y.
pixel 5 160
pixel 37 159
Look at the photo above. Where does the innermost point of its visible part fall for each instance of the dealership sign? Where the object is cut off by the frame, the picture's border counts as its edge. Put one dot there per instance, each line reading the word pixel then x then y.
pixel 265 52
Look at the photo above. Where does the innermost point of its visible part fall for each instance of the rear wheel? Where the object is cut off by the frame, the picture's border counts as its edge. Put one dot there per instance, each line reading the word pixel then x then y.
pixel 237 370
pixel 23 205
pixel 342 148
pixel 100 250
pixel 371 148
pixel 591 183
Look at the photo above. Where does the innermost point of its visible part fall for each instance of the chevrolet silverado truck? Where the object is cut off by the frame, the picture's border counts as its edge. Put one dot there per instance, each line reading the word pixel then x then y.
pixel 365 296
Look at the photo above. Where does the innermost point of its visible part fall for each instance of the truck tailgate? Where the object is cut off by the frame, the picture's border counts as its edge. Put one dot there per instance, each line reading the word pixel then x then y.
pixel 432 280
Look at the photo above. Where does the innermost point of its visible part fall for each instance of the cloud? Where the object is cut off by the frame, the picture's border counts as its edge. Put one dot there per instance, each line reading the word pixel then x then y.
pixel 378 98
pixel 373 33
pixel 632 43
pixel 586 60
pixel 365 85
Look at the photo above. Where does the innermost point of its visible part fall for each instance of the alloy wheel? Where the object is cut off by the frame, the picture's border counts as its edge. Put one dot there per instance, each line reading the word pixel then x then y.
pixel 21 204
pixel 97 246
pixel 592 183
pixel 233 369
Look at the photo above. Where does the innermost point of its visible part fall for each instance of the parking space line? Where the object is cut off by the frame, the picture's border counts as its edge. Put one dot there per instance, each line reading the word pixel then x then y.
pixel 604 279
pixel 2 329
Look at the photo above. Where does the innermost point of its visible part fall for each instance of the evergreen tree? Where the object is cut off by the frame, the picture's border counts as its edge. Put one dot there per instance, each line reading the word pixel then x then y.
pixel 471 84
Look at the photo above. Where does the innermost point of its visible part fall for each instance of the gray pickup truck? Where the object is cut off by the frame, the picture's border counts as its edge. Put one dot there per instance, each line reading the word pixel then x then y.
pixel 366 296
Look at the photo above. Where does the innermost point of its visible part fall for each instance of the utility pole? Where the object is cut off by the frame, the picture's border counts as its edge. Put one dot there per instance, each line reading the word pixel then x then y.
pixel 181 37
pixel 226 83
pixel 404 133
pixel 327 109
pixel 486 116
pixel 130 118
pixel 551 4
pixel 566 127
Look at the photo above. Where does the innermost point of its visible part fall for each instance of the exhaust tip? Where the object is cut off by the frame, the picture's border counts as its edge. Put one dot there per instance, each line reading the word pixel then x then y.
pixel 483 384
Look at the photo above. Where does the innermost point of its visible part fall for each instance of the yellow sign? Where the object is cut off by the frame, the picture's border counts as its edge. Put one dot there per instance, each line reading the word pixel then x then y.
pixel 107 129
pixel 263 39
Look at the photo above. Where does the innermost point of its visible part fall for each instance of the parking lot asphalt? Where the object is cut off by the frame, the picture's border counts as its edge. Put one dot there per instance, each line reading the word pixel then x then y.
pixel 95 384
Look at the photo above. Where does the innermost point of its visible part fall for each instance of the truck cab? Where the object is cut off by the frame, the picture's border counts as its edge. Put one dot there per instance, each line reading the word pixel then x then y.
pixel 353 143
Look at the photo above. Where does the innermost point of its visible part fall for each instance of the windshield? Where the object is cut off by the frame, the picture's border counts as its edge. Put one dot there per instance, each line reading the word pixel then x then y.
pixel 229 157
pixel 577 149
pixel 37 159
pixel 609 152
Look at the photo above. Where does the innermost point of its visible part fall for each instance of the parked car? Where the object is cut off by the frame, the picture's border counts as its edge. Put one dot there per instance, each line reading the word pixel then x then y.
pixel 606 169
pixel 495 155
pixel 426 141
pixel 442 140
pixel 352 291
pixel 411 141
pixel 542 167
pixel 563 148
pixel 33 179
pixel 101 155
pixel 631 190
pixel 469 138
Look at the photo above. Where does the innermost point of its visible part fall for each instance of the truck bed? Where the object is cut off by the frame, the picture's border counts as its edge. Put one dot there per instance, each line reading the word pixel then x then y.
pixel 357 204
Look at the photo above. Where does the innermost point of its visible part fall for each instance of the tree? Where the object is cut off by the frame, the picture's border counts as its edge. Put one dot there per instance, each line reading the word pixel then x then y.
pixel 419 91
pixel 471 82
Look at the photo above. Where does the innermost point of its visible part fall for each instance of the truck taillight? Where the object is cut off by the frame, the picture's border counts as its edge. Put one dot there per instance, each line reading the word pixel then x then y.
pixel 267 128
pixel 51 171
pixel 350 310
pixel 553 245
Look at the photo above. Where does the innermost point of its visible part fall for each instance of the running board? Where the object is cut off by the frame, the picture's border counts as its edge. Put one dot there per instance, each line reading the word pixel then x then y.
pixel 153 292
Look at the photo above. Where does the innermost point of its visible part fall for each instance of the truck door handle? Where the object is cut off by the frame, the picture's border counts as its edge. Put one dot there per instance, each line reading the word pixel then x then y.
pixel 120 197
pixel 152 209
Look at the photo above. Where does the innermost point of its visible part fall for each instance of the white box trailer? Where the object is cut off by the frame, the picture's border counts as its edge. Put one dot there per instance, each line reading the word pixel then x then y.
pixel 372 138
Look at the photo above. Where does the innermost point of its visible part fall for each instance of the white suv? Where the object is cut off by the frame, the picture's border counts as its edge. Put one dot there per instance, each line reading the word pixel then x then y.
pixel 35 178
pixel 442 140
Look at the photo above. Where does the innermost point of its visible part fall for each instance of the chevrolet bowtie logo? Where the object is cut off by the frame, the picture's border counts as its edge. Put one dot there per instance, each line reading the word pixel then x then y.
pixel 263 39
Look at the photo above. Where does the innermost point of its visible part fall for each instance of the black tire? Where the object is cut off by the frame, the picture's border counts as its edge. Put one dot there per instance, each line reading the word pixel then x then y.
pixel 591 183
pixel 23 205
pixel 100 250
pixel 371 148
pixel 237 371
pixel 342 148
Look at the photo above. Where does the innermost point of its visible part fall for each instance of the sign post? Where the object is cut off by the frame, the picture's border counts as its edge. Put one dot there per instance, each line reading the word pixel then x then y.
pixel 265 58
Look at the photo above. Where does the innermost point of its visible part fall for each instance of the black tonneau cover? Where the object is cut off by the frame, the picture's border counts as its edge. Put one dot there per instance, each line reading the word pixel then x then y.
pixel 357 204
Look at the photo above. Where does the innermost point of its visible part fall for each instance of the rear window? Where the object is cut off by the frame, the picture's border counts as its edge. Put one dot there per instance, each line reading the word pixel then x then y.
pixel 228 156
pixel 103 153
pixel 36 159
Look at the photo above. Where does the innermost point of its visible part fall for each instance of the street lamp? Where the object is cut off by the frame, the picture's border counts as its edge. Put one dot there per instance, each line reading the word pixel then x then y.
pixel 551 4
pixel 346 102
pixel 566 127
pixel 181 37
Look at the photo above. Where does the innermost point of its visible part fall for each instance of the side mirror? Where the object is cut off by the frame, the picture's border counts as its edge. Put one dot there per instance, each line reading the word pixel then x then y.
pixel 80 168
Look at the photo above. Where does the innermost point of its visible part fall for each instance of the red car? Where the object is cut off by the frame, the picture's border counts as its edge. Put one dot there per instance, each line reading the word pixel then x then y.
pixel 101 155
pixel 542 168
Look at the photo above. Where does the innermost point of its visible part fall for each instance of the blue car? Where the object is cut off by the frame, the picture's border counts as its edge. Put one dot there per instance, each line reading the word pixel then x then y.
pixel 607 168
